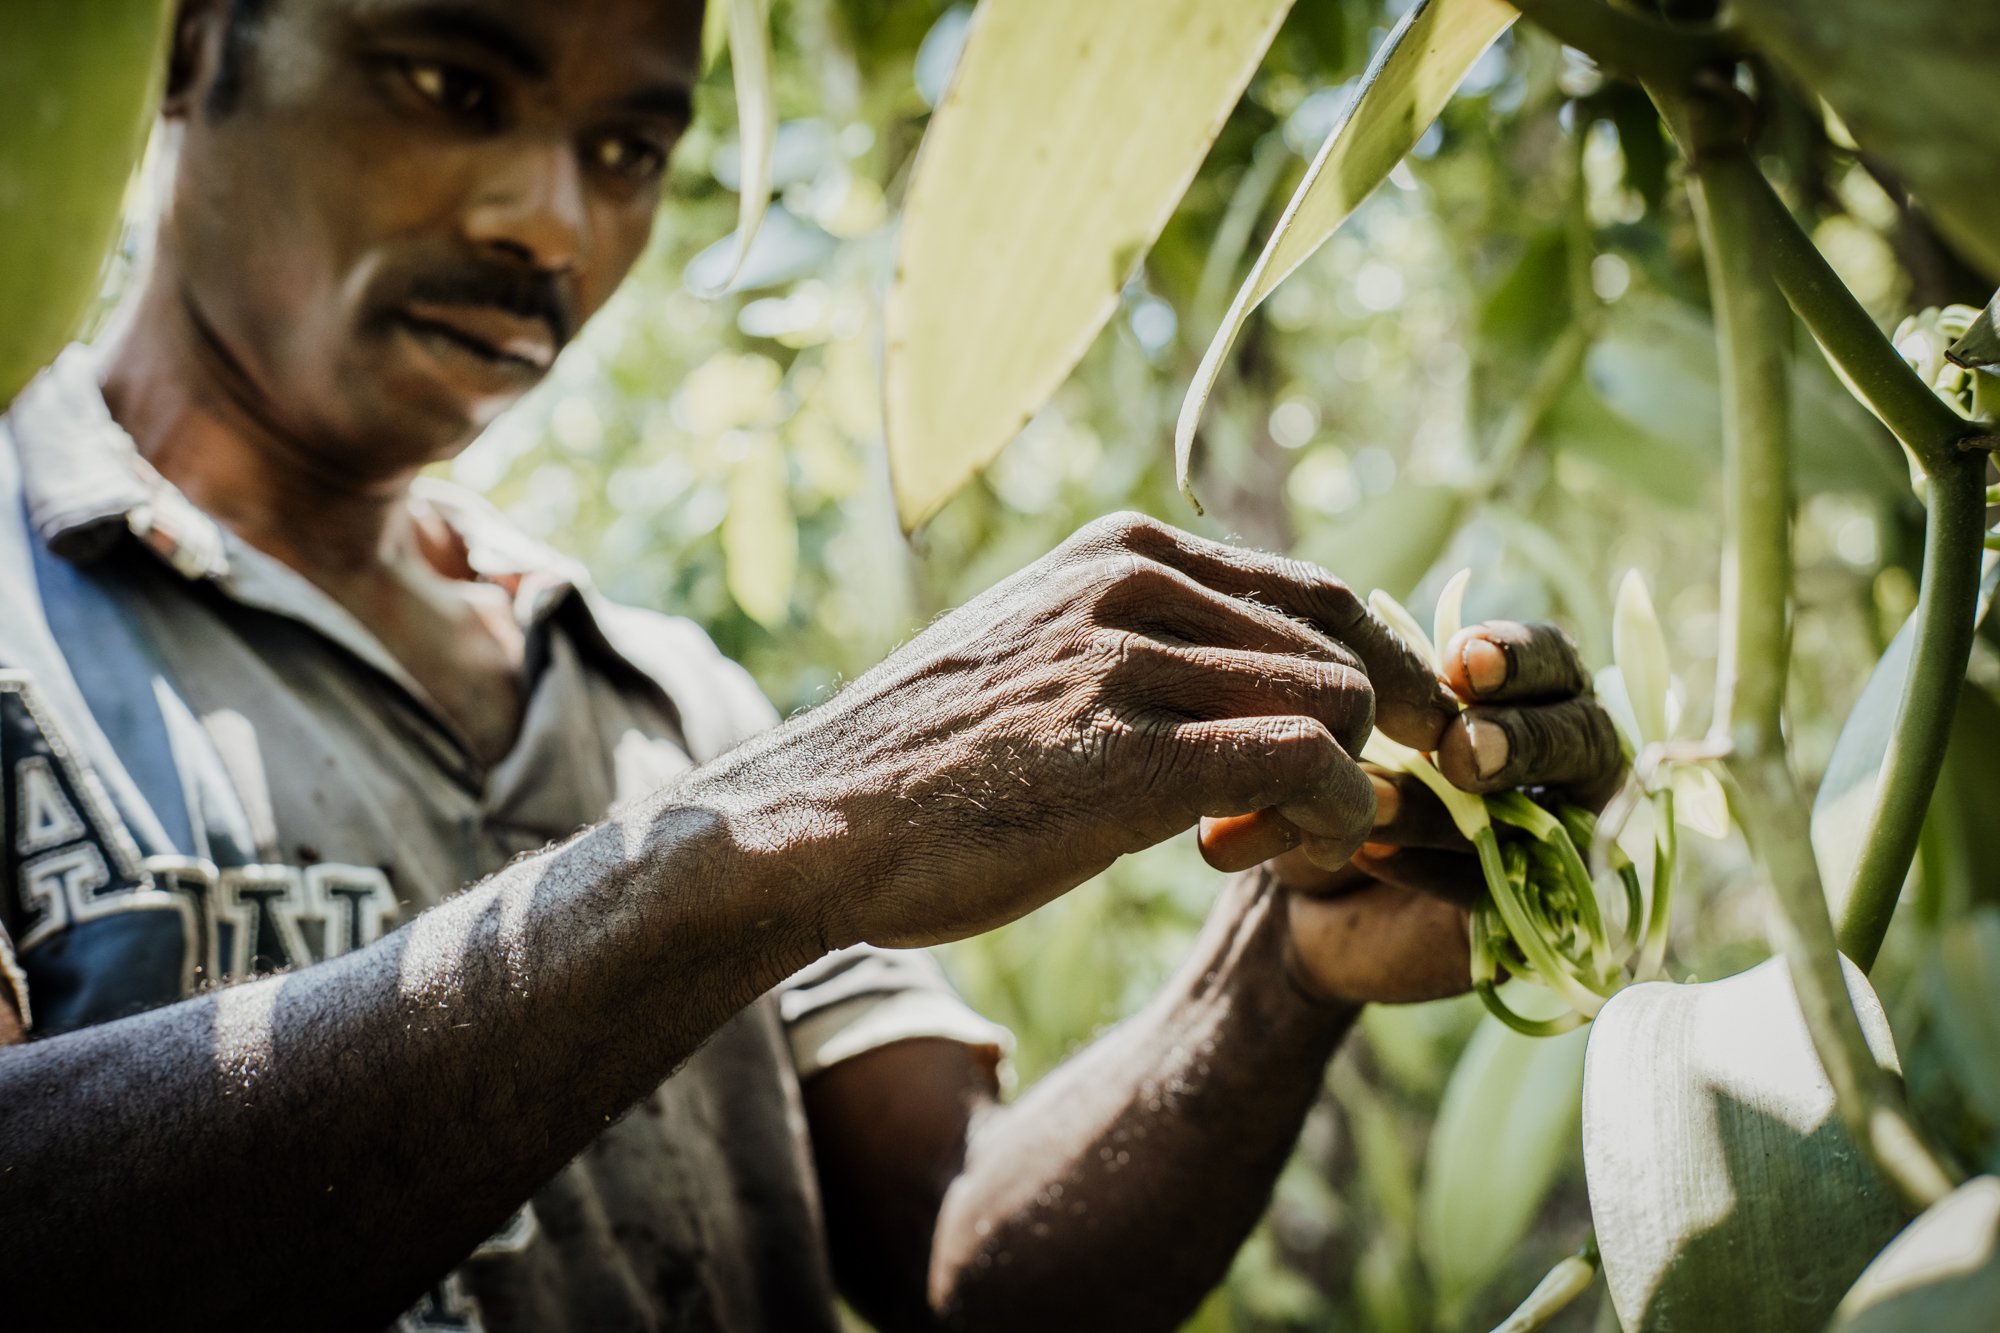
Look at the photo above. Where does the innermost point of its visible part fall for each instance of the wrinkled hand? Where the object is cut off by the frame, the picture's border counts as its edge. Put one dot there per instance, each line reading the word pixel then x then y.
pixel 1097 702
pixel 1391 924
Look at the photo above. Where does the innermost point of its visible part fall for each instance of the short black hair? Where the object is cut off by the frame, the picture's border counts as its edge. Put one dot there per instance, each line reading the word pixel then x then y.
pixel 240 34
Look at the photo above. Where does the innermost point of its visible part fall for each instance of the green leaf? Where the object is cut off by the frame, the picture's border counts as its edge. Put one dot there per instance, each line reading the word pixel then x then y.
pixel 1506 1128
pixel 1845 802
pixel 83 82
pixel 756 123
pixel 1412 75
pixel 1961 842
pixel 1942 1275
pixel 1067 136
pixel 1725 1190
pixel 1964 1002
pixel 1914 82
pixel 1390 541
pixel 760 535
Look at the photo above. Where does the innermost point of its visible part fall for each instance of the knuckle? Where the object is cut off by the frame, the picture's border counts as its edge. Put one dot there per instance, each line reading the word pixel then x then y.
pixel 1333 600
pixel 1349 699
pixel 1120 530
pixel 1110 578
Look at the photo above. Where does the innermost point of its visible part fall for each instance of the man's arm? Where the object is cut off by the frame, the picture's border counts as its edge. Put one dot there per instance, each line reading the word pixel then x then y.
pixel 315 1149
pixel 1115 1194
pixel 321 1146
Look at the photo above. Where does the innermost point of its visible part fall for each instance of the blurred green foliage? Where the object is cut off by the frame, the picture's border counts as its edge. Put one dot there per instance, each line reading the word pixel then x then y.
pixel 723 459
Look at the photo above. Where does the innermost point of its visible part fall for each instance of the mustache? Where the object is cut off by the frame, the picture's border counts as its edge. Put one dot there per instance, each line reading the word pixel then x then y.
pixel 527 293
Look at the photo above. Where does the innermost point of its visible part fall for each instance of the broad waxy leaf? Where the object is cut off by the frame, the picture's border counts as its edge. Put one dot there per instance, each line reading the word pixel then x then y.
pixel 1725 1190
pixel 1412 75
pixel 1963 985
pixel 1068 134
pixel 1507 1126
pixel 1942 1275
pixel 760 536
pixel 82 83
pixel 1914 82
pixel 1846 798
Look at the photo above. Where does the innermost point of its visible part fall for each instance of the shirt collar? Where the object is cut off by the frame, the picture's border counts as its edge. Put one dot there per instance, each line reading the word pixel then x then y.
pixel 86 486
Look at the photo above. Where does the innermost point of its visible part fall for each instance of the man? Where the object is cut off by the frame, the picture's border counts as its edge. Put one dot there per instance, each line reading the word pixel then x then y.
pixel 267 698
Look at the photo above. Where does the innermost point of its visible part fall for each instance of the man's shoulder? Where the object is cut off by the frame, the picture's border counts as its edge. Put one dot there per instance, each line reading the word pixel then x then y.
pixel 720 705
pixel 718 701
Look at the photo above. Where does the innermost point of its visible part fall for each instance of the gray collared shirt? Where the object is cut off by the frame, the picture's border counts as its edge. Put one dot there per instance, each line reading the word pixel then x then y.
pixel 212 769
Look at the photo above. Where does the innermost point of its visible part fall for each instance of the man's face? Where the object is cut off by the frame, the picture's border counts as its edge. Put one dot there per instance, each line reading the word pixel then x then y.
pixel 396 212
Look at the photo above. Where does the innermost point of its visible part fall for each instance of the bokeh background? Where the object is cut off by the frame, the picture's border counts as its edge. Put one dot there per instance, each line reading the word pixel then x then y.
pixel 1405 406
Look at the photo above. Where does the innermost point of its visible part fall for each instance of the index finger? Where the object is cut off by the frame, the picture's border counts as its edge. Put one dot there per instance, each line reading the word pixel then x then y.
pixel 1505 661
pixel 1410 702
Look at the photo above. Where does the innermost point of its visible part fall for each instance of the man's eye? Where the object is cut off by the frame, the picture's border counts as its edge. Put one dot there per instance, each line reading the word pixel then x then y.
pixel 456 90
pixel 630 157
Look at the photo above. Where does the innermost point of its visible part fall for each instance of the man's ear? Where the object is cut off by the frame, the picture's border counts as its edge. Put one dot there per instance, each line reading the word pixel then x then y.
pixel 200 29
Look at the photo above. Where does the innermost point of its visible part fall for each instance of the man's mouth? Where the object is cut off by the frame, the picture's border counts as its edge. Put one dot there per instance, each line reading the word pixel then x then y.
pixel 494 335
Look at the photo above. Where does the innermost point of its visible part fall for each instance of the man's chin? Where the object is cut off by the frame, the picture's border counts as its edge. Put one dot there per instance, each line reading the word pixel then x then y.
pixel 436 389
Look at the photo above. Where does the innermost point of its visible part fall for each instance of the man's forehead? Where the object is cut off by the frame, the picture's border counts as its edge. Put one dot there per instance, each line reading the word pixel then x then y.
pixel 541 39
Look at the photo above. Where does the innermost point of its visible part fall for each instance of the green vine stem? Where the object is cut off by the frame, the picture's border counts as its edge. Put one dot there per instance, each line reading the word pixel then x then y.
pixel 1626 41
pixel 1754 330
pixel 1857 348
pixel 1946 602
pixel 1869 1098
pixel 1936 437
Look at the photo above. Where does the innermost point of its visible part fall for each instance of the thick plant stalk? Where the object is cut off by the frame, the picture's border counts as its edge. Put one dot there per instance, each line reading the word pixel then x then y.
pixel 1753 327
pixel 1914 414
pixel 1869 1098
pixel 1754 331
pixel 1953 540
pixel 1935 436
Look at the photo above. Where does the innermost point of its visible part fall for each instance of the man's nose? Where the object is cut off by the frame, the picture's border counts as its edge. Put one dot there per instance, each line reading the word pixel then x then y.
pixel 532 207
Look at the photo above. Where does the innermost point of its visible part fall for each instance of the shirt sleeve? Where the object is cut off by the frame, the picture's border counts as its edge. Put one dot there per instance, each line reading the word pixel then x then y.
pixel 862 999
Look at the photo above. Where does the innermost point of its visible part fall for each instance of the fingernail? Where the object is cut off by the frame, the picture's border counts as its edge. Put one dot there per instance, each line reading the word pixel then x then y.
pixel 1388 800
pixel 1485 665
pixel 1489 747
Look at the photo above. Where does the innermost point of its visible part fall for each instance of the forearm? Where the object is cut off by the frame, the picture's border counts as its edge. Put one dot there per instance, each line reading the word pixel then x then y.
pixel 313 1149
pixel 1115 1194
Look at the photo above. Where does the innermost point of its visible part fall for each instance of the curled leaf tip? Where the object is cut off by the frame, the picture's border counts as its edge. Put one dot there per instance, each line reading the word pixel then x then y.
pixel 757 128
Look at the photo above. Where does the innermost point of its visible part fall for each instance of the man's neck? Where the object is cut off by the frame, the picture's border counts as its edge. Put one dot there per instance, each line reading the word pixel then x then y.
pixel 197 419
